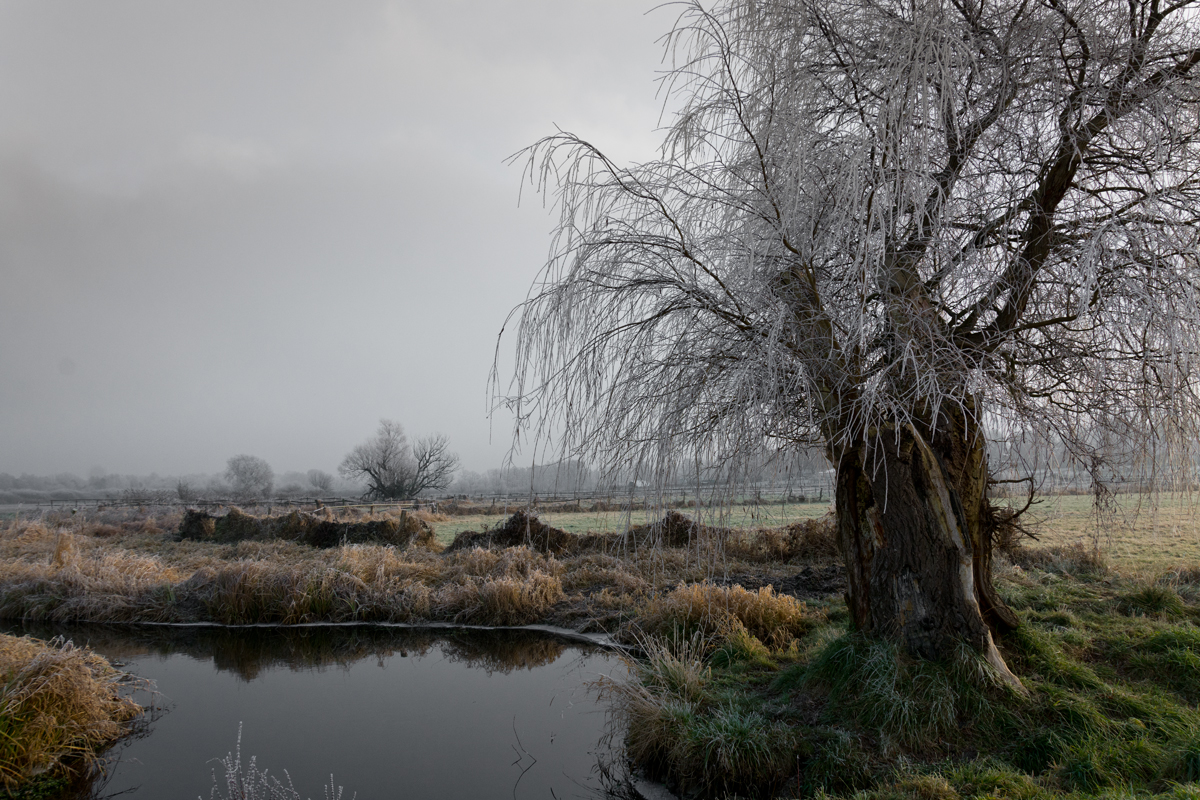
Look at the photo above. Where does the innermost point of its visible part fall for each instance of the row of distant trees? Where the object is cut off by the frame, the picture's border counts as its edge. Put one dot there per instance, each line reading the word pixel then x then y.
pixel 65 487
pixel 386 466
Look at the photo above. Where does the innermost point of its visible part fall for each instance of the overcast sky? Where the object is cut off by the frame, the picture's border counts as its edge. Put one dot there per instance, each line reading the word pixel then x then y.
pixel 259 227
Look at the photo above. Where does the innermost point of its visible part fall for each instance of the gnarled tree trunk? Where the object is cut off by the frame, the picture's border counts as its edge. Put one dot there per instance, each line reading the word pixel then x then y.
pixel 912 531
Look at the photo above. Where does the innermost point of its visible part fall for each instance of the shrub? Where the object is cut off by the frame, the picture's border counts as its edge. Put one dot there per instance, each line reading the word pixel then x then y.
pixel 522 529
pixel 304 528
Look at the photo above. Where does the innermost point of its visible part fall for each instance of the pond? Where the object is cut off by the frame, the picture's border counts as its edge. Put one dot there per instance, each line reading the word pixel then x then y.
pixel 389 712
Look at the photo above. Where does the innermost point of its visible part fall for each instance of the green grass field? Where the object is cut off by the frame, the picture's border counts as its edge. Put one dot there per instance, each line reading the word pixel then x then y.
pixel 738 516
pixel 1140 533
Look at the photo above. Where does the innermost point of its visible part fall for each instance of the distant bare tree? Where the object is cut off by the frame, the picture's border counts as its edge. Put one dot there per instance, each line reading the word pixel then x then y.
pixel 887 231
pixel 249 477
pixel 320 481
pixel 394 470
pixel 383 462
pixel 435 464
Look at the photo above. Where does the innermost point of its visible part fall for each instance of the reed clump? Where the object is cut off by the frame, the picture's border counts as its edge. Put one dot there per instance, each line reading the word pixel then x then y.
pixel 500 601
pixel 373 564
pixel 109 587
pixel 60 706
pixel 513 586
pixel 509 562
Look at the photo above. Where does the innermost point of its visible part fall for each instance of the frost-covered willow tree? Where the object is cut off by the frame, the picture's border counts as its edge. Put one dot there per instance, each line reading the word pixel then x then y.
pixel 888 229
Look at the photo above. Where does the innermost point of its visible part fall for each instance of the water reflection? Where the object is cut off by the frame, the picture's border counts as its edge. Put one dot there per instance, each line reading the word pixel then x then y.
pixel 246 652
pixel 390 712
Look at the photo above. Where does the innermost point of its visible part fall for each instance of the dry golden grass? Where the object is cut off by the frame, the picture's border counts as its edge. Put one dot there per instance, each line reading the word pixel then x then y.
pixel 117 568
pixel 500 601
pixel 59 707
pixel 61 573
pixel 720 611
pixel 382 564
pixel 122 567
pixel 508 562
pixel 511 586
pixel 601 569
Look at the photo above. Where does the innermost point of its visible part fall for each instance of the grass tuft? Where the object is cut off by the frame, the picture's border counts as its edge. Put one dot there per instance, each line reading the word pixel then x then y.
pixel 1182 759
pixel 60 706
pixel 874 686
pixel 1153 600
pixel 732 750
pixel 717 610
pixel 677 730
pixel 675 665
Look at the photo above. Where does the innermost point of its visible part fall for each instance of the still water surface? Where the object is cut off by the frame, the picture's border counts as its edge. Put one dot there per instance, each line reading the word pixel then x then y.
pixel 390 713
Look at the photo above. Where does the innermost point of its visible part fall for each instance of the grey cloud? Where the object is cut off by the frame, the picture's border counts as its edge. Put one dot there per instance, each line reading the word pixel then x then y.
pixel 231 227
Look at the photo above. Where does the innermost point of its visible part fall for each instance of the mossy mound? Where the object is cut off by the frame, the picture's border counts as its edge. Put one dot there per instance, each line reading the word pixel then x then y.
pixel 675 530
pixel 522 528
pixel 297 526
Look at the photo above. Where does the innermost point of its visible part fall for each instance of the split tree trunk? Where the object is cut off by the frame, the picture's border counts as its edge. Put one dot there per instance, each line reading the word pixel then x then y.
pixel 913 533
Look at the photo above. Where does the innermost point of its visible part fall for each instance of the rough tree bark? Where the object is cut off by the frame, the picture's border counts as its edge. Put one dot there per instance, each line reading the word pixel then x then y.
pixel 913 534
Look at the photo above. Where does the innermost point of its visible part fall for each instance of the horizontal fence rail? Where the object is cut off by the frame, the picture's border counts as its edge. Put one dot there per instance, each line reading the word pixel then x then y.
pixel 503 502
pixel 639 497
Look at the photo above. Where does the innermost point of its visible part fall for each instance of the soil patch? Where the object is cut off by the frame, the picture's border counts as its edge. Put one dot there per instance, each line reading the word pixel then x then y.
pixel 814 581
